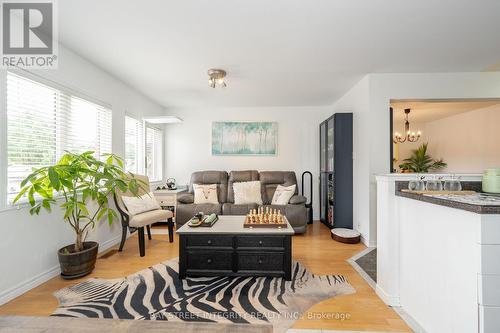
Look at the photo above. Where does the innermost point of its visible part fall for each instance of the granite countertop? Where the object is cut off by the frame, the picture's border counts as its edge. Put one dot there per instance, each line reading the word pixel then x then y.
pixel 472 203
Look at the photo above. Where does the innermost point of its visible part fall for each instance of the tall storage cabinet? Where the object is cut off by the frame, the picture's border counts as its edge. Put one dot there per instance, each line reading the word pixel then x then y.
pixel 336 159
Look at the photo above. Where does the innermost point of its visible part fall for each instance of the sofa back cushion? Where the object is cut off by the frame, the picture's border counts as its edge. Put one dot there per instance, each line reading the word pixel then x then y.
pixel 270 181
pixel 211 177
pixel 237 177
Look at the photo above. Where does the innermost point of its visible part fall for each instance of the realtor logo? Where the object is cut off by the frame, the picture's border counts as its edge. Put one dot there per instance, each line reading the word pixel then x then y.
pixel 29 34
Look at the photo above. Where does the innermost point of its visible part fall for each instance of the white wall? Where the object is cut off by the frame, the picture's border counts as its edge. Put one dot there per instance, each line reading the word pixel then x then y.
pixel 370 101
pixel 468 142
pixel 357 101
pixel 28 244
pixel 188 145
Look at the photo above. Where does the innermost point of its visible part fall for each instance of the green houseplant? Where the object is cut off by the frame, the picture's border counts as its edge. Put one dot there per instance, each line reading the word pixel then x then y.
pixel 84 185
pixel 419 161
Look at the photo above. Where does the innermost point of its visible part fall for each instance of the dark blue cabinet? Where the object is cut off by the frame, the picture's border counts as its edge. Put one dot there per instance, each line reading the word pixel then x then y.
pixel 336 163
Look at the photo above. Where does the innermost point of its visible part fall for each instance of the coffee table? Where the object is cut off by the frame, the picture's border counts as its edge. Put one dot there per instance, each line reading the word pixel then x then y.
pixel 229 249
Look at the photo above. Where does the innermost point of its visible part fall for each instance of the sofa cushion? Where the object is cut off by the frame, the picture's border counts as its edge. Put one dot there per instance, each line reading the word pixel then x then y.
pixel 270 181
pixel 185 212
pixel 247 193
pixel 211 177
pixel 239 176
pixel 233 209
pixel 205 194
pixel 283 194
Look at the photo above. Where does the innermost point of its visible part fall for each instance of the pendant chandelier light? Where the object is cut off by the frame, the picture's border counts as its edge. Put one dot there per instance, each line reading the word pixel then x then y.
pixel 216 78
pixel 409 135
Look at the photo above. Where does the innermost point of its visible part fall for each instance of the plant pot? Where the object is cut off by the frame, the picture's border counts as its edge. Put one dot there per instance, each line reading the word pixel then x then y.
pixel 77 264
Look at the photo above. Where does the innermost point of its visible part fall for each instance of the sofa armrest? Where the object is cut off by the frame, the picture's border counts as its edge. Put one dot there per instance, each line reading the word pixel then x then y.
pixel 297 200
pixel 186 198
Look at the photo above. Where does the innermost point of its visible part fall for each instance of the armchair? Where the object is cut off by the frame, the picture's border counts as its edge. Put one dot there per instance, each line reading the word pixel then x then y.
pixel 139 221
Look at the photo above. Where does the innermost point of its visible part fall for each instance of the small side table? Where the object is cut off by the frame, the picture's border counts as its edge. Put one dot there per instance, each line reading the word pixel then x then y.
pixel 167 199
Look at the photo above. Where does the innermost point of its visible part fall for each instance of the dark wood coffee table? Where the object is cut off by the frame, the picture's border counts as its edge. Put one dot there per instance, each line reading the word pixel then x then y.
pixel 229 249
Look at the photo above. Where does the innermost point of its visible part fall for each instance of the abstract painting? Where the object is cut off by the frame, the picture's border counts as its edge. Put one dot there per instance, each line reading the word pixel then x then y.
pixel 244 138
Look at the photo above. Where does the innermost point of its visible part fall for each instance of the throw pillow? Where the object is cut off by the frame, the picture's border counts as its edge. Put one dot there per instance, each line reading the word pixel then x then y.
pixel 144 203
pixel 247 193
pixel 205 194
pixel 283 194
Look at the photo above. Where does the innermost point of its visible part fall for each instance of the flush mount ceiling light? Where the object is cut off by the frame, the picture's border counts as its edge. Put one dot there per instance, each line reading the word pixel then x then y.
pixel 216 78
pixel 163 120
pixel 409 135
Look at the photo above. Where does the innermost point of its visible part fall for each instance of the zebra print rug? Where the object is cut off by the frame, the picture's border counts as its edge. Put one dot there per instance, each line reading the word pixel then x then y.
pixel 156 293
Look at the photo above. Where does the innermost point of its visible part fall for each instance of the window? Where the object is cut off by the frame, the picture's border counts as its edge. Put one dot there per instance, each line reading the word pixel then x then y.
pixel 43 122
pixel 154 153
pixel 134 145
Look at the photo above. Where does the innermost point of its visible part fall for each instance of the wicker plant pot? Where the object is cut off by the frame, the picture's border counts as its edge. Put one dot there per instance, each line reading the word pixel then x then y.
pixel 77 264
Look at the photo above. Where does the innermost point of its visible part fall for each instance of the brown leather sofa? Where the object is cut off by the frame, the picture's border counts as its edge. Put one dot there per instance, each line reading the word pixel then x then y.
pixel 295 210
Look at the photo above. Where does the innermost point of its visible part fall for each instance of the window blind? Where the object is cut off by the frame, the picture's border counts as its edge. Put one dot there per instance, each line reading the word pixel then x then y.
pixel 43 122
pixel 134 145
pixel 154 153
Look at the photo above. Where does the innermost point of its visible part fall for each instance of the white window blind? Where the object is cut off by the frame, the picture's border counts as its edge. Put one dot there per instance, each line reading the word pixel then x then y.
pixel 154 153
pixel 43 122
pixel 134 145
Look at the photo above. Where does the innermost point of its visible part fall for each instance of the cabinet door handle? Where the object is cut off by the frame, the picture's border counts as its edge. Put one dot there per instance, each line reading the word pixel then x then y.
pixel 260 260
pixel 209 261
pixel 209 242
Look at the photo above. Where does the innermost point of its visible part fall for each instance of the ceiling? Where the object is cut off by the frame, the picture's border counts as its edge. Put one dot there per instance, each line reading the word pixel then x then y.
pixel 279 52
pixel 425 111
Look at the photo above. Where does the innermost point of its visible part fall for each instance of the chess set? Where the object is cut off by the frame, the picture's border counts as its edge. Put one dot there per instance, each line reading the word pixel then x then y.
pixel 265 218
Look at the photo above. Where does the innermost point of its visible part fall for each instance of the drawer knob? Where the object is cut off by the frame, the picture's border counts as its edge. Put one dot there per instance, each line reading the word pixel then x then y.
pixel 209 261
pixel 260 260
pixel 209 242
pixel 260 243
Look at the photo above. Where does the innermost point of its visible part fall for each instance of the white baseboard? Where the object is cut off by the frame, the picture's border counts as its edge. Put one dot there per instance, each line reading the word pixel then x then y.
pixel 27 285
pixel 388 299
pixel 110 243
pixel 368 243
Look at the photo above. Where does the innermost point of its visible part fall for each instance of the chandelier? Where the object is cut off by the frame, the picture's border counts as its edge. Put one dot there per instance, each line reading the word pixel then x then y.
pixel 410 136
pixel 216 78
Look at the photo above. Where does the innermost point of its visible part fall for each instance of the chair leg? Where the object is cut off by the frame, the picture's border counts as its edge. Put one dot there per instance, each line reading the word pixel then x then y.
pixel 142 246
pixel 124 237
pixel 170 224
pixel 148 228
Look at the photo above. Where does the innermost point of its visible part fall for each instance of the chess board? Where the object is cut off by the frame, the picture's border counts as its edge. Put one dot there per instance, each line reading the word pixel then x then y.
pixel 265 218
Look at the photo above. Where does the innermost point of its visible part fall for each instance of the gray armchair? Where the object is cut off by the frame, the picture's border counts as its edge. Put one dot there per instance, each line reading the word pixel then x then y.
pixel 186 208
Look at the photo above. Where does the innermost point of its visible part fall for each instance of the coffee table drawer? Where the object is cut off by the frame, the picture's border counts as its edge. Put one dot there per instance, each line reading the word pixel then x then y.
pixel 209 241
pixel 260 241
pixel 261 262
pixel 213 261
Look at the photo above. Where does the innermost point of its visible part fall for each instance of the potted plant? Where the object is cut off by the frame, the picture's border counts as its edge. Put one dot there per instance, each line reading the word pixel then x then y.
pixel 76 183
pixel 421 162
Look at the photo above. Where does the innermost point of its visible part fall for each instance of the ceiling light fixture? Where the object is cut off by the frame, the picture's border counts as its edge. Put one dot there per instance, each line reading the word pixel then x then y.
pixel 410 136
pixel 216 78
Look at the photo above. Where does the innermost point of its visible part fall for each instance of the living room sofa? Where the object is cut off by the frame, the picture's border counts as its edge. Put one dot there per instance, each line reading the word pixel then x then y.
pixel 295 211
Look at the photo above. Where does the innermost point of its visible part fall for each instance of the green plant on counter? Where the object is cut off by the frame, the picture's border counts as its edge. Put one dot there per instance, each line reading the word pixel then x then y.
pixel 421 162
pixel 79 179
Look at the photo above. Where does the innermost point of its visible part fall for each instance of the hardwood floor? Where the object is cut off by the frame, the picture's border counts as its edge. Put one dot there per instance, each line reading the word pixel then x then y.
pixel 362 310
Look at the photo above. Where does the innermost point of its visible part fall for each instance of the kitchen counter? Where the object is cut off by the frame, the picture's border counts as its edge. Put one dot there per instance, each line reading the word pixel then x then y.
pixel 478 203
pixel 437 256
